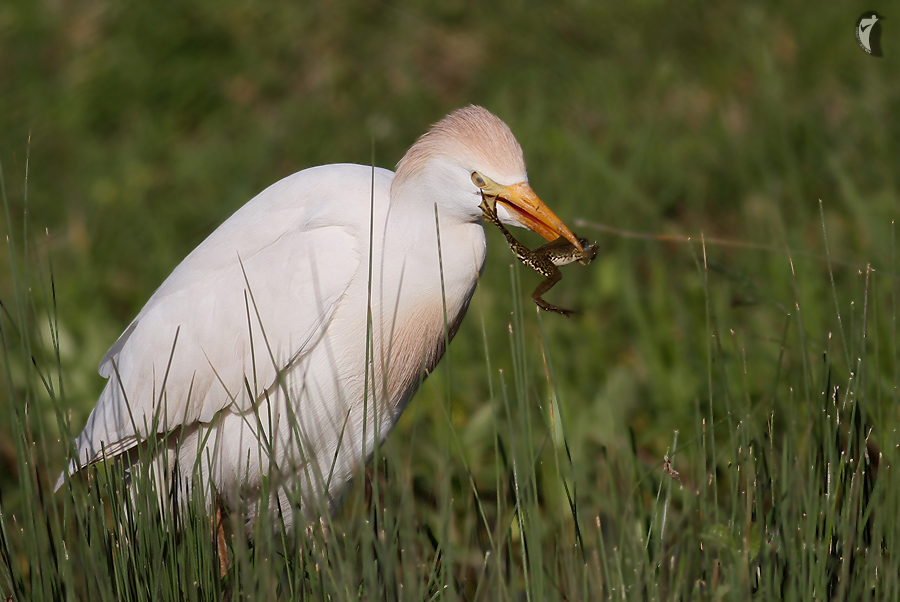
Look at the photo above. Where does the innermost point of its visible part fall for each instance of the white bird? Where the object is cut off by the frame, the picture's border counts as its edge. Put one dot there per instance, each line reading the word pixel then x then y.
pixel 250 360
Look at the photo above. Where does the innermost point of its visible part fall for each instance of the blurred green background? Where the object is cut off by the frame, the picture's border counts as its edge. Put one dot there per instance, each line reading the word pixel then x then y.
pixel 145 124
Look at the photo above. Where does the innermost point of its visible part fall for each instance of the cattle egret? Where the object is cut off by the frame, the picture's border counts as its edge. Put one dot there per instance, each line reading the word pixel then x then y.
pixel 250 361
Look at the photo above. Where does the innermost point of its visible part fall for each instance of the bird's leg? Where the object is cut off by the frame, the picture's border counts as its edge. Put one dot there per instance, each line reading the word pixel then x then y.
pixel 219 536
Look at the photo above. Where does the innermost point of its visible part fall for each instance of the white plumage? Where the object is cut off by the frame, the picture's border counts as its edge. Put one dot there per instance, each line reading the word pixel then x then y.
pixel 250 359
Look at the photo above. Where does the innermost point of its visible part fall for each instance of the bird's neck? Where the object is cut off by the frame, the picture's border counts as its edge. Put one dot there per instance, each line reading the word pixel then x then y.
pixel 435 256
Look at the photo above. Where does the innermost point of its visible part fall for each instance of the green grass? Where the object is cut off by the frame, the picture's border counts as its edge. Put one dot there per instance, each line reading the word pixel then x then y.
pixel 531 464
pixel 790 494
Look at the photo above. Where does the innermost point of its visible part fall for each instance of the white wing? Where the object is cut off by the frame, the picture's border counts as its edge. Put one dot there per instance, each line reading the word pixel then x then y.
pixel 243 306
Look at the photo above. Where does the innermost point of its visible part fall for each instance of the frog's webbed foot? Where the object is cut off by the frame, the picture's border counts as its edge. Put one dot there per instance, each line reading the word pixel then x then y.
pixel 545 286
pixel 550 307
pixel 488 207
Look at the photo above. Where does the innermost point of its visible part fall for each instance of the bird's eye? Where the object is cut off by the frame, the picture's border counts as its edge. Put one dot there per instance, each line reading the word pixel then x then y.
pixel 479 179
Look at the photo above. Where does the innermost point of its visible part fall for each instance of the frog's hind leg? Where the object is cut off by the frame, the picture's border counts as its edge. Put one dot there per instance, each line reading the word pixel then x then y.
pixel 545 286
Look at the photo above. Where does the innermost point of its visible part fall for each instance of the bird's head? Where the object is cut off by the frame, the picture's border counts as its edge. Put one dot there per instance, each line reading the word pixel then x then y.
pixel 471 157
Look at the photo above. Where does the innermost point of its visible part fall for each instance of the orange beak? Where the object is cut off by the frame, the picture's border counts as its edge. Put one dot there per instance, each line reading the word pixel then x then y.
pixel 526 208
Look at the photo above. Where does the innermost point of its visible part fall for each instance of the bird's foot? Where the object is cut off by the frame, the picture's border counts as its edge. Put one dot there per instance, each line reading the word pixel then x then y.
pixel 219 535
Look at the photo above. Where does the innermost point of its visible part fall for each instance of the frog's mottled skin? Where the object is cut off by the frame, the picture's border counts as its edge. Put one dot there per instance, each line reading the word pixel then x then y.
pixel 545 259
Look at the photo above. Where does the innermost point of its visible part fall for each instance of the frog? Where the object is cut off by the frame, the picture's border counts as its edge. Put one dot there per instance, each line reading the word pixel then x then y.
pixel 546 259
